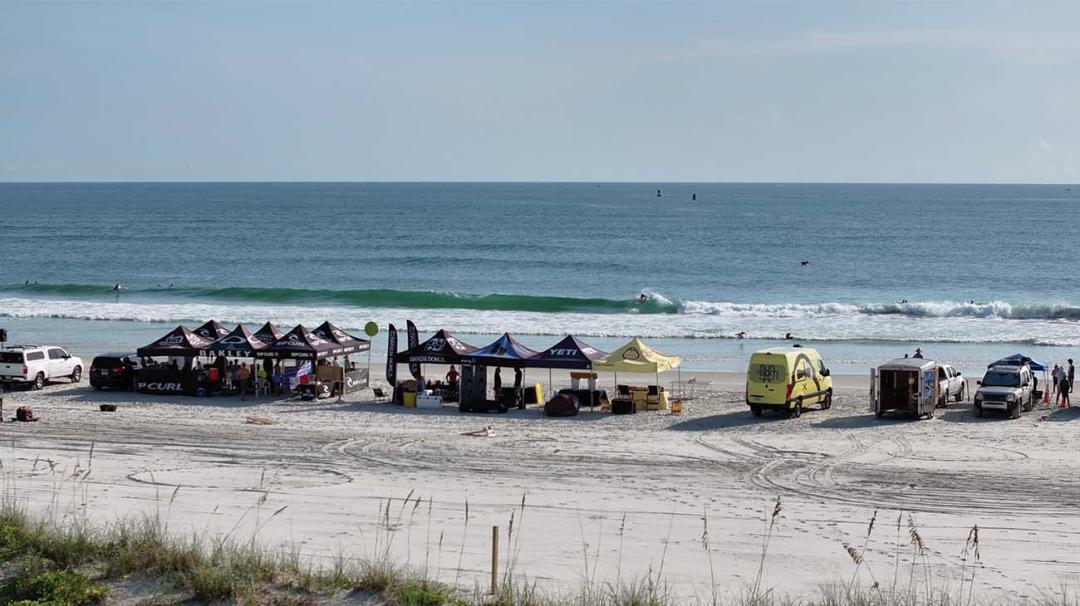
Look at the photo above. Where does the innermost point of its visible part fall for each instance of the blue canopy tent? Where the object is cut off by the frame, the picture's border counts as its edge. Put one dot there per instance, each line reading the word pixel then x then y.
pixel 505 351
pixel 1016 359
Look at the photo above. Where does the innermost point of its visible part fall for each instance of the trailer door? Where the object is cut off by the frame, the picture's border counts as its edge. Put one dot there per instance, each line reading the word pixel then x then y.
pixel 873 390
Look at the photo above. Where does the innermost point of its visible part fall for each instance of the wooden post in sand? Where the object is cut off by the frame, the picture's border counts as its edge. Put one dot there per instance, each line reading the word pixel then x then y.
pixel 494 559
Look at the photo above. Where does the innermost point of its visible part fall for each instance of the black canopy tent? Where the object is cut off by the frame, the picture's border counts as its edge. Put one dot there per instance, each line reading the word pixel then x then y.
pixel 504 351
pixel 212 330
pixel 347 343
pixel 441 348
pixel 299 344
pixel 569 353
pixel 162 379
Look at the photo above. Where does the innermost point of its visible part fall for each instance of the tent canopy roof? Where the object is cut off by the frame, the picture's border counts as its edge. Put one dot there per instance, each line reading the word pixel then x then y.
pixel 212 330
pixel 570 353
pixel 504 351
pixel 348 343
pixel 636 356
pixel 441 348
pixel 239 342
pixel 1015 359
pixel 268 333
pixel 300 343
pixel 177 342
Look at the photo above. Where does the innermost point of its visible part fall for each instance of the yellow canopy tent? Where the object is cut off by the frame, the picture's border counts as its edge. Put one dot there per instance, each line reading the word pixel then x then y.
pixel 636 356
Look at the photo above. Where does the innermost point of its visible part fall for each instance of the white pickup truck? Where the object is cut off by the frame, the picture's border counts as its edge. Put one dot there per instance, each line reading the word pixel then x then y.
pixel 951 384
pixel 34 365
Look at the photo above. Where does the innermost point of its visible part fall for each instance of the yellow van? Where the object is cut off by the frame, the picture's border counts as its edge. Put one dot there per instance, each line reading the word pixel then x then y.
pixel 787 379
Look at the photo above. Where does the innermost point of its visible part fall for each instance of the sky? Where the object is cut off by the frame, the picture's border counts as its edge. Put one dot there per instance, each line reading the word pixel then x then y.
pixel 547 90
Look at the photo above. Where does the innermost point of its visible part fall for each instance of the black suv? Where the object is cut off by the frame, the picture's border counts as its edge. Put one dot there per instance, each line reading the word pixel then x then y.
pixel 114 370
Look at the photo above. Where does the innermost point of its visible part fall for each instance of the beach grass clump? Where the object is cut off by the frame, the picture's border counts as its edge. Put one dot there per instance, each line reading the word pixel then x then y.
pixel 36 581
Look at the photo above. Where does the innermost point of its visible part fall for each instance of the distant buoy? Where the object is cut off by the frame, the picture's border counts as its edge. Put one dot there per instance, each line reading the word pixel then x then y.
pixel 693 197
pixel 658 193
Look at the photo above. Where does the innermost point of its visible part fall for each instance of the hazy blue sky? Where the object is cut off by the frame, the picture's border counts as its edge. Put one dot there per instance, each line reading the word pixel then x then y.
pixel 835 90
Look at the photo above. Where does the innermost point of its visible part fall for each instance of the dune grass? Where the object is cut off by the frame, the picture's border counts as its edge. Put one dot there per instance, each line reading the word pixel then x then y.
pixel 67 561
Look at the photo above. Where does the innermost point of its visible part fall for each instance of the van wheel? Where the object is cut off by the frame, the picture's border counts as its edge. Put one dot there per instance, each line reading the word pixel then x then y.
pixel 826 403
pixel 797 411
pixel 756 410
pixel 76 374
pixel 39 381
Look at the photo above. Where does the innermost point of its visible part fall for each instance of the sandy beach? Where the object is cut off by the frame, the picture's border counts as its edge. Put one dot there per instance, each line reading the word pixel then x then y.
pixel 605 496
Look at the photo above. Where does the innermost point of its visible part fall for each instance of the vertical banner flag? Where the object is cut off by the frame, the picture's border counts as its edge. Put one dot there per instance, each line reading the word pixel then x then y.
pixel 391 349
pixel 414 340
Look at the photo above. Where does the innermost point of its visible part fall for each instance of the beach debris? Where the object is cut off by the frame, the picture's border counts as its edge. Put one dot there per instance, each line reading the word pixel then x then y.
pixel 486 432
pixel 107 407
pixel 259 421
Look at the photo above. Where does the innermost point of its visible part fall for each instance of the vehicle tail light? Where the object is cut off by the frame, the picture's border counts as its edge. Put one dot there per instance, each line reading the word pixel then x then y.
pixel 25 371
pixel 93 368
pixel 790 387
pixel 118 369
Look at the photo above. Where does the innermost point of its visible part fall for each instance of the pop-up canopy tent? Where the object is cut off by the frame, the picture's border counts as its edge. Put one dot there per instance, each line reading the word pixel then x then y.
pixel 179 342
pixel 346 343
pixel 636 356
pixel 240 343
pixel 441 348
pixel 504 351
pixel 299 343
pixel 211 330
pixel 568 353
pixel 268 333
pixel 1016 359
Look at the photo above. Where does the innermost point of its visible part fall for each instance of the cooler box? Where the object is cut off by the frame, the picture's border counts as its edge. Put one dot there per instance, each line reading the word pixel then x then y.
pixel 533 394
pixel 429 402
pixel 408 398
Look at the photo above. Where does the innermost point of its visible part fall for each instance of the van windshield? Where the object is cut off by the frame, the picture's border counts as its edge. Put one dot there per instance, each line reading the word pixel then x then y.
pixel 1001 379
pixel 767 373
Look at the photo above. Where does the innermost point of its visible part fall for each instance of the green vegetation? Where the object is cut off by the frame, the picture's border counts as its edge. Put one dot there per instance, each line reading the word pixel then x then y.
pixel 71 564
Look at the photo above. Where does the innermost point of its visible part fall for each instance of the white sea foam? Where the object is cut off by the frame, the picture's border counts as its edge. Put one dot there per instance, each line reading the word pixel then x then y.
pixel 824 322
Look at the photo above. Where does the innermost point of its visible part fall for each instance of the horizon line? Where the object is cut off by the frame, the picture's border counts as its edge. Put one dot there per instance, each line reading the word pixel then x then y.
pixel 505 182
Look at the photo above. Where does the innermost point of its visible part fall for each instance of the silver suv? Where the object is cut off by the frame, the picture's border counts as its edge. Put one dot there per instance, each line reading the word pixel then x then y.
pixel 1007 389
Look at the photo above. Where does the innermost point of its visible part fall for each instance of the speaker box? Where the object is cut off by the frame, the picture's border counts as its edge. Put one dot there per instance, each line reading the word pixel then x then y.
pixel 623 407
pixel 483 406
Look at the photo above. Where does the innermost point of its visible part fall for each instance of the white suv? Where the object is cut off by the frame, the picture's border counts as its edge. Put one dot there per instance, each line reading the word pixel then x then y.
pixel 33 365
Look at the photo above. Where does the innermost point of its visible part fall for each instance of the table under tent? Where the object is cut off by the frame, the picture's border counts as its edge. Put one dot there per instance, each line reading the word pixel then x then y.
pixel 637 357
pixel 177 376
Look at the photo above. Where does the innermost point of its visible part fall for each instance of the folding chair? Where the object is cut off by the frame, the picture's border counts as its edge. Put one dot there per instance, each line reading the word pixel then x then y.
pixel 380 395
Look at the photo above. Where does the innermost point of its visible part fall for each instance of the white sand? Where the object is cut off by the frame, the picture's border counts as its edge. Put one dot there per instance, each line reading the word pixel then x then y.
pixel 334 465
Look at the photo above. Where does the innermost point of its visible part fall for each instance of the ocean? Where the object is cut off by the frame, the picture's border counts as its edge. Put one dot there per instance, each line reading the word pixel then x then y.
pixel 864 273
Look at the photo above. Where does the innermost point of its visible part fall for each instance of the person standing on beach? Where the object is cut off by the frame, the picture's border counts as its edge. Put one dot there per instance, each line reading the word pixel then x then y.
pixel 1064 387
pixel 497 385
pixel 1072 374
pixel 242 376
pixel 1055 376
pixel 918 353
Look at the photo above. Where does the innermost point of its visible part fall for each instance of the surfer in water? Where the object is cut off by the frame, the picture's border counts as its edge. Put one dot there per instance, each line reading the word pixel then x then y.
pixel 740 335
pixel 643 298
